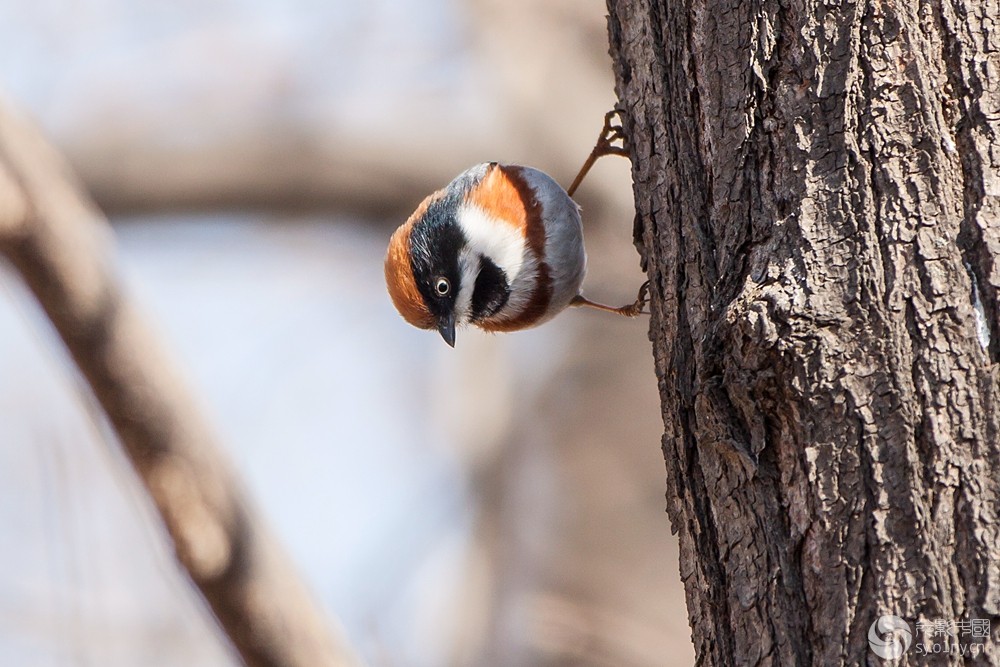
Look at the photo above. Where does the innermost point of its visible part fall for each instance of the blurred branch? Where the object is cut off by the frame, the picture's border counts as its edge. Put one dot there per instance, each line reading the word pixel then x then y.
pixel 238 173
pixel 520 81
pixel 60 244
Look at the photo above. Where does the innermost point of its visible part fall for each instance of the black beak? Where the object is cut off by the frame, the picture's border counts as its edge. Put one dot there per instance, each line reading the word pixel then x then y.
pixel 446 326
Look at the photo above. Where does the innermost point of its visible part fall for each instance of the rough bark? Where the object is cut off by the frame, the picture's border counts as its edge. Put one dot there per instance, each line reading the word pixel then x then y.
pixel 817 207
pixel 60 245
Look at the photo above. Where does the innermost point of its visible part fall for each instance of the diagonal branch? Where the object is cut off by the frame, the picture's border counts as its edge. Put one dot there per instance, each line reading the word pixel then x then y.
pixel 61 246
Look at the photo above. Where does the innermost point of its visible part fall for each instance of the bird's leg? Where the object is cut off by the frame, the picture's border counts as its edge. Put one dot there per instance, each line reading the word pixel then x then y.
pixel 611 133
pixel 631 310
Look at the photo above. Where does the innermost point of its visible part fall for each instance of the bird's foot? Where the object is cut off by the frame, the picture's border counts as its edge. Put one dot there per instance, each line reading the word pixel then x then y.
pixel 631 310
pixel 612 141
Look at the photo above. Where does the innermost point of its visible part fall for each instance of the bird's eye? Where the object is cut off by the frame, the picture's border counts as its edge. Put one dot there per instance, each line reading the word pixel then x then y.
pixel 442 286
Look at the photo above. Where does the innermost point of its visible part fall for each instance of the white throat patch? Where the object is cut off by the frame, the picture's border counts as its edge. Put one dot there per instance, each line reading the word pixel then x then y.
pixel 468 266
pixel 505 247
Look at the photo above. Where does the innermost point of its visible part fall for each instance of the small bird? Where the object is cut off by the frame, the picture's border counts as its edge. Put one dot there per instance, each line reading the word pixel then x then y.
pixel 500 247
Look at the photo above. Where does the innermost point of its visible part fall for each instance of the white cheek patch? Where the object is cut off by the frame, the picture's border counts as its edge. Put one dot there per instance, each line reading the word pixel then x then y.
pixel 493 238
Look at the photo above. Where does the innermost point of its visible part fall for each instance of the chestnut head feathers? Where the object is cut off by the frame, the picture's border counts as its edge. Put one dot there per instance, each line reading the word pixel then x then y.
pixel 501 247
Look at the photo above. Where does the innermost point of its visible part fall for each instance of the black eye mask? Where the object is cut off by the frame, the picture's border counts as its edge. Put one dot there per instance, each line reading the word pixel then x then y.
pixel 435 245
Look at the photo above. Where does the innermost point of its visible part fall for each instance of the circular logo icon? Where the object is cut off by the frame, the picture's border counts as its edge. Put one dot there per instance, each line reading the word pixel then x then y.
pixel 889 637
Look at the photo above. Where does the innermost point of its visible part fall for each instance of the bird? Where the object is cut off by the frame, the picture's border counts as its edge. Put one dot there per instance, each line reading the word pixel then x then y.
pixel 500 247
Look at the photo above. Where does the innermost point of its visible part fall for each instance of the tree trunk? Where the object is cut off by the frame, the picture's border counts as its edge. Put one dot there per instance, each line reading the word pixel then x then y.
pixel 817 190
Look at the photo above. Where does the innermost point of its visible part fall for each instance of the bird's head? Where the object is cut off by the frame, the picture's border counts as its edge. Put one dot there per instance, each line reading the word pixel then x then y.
pixel 424 269
pixel 452 261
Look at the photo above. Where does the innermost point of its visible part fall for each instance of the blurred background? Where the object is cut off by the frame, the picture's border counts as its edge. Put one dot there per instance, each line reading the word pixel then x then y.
pixel 497 504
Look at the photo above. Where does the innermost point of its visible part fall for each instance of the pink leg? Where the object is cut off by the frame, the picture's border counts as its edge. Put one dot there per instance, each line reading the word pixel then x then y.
pixel 631 310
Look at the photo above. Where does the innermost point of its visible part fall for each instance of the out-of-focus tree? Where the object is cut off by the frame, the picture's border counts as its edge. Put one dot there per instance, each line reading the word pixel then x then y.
pixel 57 241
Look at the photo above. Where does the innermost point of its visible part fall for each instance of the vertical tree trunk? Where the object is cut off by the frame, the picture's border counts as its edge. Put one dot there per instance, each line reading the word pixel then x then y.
pixel 817 205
